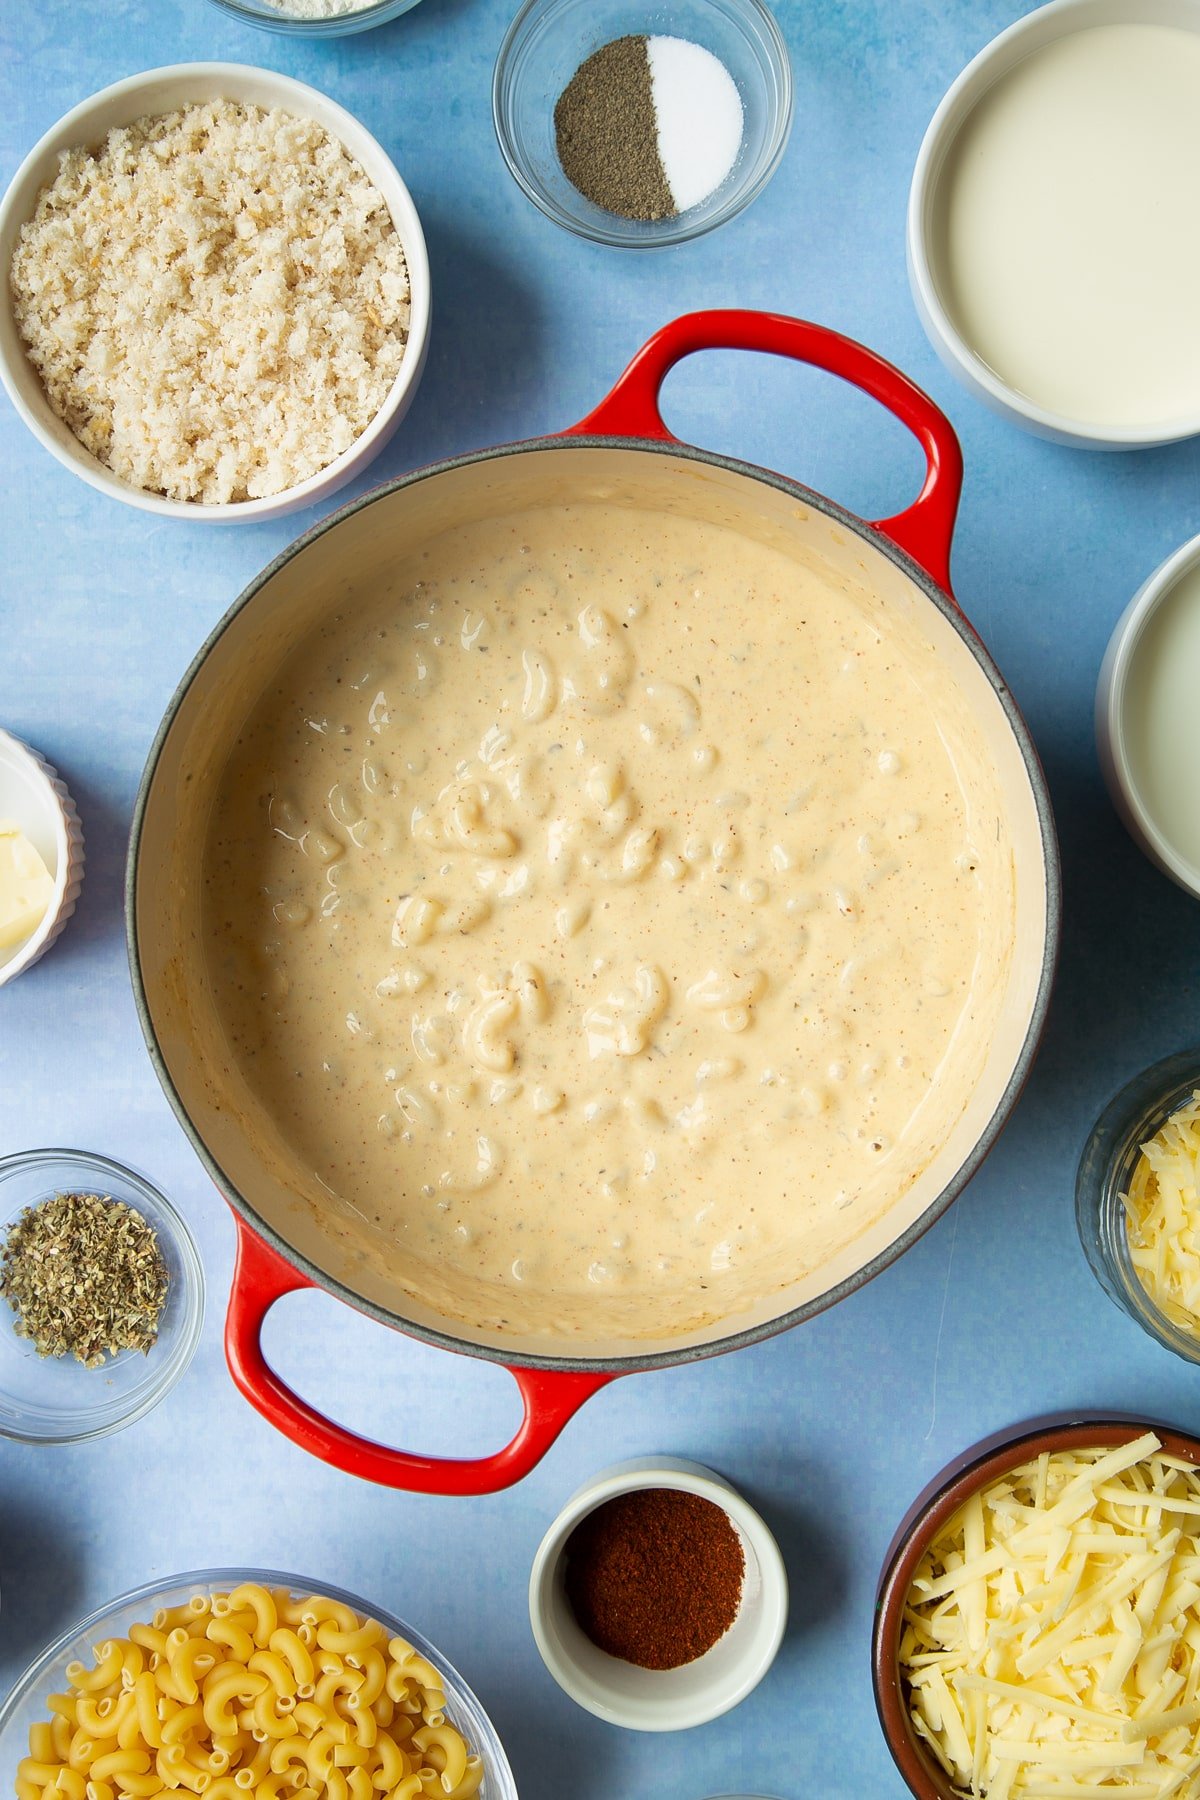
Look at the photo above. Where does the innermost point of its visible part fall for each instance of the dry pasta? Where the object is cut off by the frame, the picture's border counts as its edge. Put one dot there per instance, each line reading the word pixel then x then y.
pixel 251 1695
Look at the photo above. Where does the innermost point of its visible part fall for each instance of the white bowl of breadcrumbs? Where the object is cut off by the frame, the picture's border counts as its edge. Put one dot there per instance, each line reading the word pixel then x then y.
pixel 216 298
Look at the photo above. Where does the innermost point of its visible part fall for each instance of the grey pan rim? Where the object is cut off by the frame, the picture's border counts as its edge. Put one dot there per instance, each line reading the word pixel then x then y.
pixel 650 1359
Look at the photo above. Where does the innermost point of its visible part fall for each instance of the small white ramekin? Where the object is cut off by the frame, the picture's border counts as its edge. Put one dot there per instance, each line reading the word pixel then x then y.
pixel 661 1699
pixel 1044 26
pixel 165 90
pixel 35 799
pixel 1111 694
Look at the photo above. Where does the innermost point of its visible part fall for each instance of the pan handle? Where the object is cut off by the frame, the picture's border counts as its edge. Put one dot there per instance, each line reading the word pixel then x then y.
pixel 923 530
pixel 261 1276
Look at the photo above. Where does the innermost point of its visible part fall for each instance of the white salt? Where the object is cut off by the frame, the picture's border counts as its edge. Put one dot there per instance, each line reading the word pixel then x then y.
pixel 699 115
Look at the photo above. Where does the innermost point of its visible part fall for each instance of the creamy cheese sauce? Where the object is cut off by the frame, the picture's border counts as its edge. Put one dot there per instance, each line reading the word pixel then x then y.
pixel 1070 259
pixel 615 909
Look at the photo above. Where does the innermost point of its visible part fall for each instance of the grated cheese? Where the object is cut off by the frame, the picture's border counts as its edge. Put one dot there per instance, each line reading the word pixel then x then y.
pixel 1162 1217
pixel 1051 1644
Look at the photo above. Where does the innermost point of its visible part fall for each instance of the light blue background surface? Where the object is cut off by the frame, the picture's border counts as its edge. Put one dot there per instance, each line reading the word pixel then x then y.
pixel 994 1316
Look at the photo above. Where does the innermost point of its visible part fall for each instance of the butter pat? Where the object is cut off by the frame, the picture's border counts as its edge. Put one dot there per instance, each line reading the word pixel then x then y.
pixel 26 886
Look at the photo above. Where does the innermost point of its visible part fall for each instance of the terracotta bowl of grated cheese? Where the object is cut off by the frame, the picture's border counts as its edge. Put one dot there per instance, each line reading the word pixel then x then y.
pixel 200 356
pixel 1036 1624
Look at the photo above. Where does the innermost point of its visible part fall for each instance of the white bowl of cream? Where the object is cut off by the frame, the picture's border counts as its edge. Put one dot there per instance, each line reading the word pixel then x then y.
pixel 1047 248
pixel 1147 720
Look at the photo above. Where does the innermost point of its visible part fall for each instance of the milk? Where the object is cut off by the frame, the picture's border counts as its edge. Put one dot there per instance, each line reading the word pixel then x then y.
pixel 1162 717
pixel 1070 249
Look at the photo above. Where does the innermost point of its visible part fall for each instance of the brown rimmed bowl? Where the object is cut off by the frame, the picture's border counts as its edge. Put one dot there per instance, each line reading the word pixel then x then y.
pixel 984 1463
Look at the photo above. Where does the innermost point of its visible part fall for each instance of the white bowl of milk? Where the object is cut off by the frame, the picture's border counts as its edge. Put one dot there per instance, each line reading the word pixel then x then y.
pixel 1148 719
pixel 1049 247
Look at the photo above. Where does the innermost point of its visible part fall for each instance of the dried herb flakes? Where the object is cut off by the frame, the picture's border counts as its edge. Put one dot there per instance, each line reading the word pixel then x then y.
pixel 85 1277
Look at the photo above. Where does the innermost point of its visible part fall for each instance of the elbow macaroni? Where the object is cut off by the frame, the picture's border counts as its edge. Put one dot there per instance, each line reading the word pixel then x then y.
pixel 251 1695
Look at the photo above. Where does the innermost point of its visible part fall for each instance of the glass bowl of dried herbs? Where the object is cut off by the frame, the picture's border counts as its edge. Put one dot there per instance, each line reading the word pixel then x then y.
pixel 101 1296
pixel 642 125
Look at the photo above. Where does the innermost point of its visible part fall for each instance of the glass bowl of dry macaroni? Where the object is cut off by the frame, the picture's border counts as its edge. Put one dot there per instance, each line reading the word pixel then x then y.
pixel 238 1684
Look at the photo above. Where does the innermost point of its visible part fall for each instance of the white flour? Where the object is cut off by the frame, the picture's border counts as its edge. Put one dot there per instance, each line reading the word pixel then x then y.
pixel 318 9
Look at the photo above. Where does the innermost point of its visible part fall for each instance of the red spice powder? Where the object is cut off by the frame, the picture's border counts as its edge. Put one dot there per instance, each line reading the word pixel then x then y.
pixel 655 1576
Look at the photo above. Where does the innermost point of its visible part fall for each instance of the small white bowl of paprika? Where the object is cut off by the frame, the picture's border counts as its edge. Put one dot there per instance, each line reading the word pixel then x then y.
pixel 658 1598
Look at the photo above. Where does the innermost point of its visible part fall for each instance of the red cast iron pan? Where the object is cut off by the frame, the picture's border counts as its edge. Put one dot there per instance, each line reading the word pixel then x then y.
pixel 553 1382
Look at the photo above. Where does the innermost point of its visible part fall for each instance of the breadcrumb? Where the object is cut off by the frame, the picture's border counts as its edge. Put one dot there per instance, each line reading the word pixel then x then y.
pixel 216 300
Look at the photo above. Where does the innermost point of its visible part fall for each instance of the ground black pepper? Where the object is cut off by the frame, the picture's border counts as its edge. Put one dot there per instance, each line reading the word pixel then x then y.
pixel 606 132
pixel 655 1576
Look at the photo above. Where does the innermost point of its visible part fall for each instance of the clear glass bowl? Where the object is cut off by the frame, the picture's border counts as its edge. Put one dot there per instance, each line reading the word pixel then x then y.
pixel 1105 1170
pixel 546 43
pixel 54 1399
pixel 268 18
pixel 26 1704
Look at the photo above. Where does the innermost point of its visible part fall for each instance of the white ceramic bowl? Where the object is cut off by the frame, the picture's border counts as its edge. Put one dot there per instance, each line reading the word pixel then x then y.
pixel 34 798
pixel 1033 32
pixel 1112 702
pixel 160 91
pixel 661 1699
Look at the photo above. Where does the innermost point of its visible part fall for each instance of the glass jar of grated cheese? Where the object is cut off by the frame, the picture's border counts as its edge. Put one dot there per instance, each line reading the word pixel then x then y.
pixel 1142 1261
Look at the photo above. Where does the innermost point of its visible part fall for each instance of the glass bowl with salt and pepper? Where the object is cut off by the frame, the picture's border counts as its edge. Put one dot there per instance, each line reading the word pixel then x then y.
pixel 101 1296
pixel 642 129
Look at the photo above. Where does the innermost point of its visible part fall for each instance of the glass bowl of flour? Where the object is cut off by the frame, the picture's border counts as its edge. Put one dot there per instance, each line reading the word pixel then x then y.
pixel 315 18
